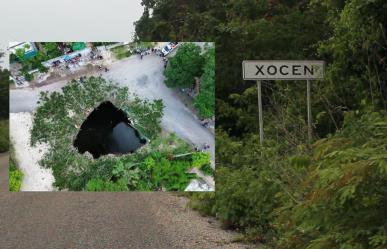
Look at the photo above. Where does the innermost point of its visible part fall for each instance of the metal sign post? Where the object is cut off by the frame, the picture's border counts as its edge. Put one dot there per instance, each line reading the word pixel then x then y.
pixel 260 112
pixel 283 70
pixel 309 111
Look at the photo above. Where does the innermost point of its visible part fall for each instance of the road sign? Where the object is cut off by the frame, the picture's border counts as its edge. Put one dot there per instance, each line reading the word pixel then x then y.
pixel 283 70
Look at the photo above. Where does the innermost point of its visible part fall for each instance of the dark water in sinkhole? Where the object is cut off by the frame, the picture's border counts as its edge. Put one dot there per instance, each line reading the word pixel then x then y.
pixel 107 130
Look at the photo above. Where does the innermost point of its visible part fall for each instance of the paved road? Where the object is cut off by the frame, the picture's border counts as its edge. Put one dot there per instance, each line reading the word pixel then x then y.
pixel 145 78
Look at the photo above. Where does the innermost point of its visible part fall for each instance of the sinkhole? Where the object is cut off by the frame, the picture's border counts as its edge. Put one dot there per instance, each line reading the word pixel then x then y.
pixel 107 130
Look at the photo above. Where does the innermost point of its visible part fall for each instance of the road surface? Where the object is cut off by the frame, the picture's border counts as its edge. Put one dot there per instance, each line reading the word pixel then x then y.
pixel 3 171
pixel 146 220
pixel 143 77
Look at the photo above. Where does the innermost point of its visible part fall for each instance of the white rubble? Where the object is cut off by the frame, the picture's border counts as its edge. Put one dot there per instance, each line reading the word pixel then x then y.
pixel 36 178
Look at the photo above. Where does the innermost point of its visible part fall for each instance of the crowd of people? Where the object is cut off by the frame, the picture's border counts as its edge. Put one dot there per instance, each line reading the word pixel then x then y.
pixel 141 52
pixel 203 148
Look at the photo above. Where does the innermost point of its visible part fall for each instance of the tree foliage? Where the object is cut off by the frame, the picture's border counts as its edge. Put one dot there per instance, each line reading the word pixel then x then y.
pixel 184 66
pixel 15 174
pixel 341 201
pixel 331 195
pixel 60 115
pixel 4 109
pixel 4 93
pixel 98 185
pixel 205 101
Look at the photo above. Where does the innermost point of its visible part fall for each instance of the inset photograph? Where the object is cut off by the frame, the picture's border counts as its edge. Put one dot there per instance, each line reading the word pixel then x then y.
pixel 112 116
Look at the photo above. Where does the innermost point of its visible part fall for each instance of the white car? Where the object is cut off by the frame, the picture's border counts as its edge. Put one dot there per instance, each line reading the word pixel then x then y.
pixel 166 49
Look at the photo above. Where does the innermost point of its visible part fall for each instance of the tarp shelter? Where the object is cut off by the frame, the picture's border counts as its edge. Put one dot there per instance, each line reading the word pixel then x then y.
pixel 78 46
pixel 29 54
pixel 67 57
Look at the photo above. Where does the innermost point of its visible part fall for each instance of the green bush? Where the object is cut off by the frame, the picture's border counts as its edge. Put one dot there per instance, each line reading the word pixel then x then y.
pixel 15 175
pixel 184 66
pixel 330 196
pixel 205 101
pixel 170 175
pixel 4 93
pixel 96 185
pixel 15 180
pixel 303 200
pixel 344 195
pixel 200 159
pixel 204 203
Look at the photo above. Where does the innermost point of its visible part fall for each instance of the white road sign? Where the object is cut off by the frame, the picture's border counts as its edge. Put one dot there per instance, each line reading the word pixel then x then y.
pixel 283 70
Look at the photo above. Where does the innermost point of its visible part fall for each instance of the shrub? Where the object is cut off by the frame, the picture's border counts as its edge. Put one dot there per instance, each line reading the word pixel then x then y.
pixel 15 175
pixel 15 180
pixel 96 185
pixel 344 195
pixel 332 197
pixel 184 66
pixel 170 175
pixel 205 101
pixel 204 203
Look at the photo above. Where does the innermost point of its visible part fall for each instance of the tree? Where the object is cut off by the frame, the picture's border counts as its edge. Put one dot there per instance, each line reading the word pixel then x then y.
pixel 52 50
pixel 4 109
pixel 357 77
pixel 4 93
pixel 341 201
pixel 205 101
pixel 184 66
pixel 332 194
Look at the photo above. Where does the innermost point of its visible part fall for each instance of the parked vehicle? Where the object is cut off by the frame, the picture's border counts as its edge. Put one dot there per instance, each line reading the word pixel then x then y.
pixel 166 49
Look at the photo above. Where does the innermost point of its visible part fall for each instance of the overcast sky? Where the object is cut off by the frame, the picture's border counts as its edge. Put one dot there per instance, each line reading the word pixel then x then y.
pixel 68 20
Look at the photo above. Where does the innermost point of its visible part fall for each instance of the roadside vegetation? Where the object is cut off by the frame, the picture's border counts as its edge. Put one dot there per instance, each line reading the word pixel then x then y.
pixel 4 109
pixel 193 69
pixel 121 52
pixel 287 194
pixel 15 175
pixel 162 164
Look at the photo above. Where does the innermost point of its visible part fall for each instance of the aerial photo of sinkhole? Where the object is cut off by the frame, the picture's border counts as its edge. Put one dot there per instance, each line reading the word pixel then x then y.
pixel 112 116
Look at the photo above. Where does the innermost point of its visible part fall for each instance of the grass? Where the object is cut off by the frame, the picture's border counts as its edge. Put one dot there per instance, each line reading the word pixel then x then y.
pixel 121 52
pixel 207 170
pixel 15 175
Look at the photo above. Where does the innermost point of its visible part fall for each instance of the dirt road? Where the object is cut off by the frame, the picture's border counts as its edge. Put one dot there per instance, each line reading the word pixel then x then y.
pixel 3 171
pixel 104 220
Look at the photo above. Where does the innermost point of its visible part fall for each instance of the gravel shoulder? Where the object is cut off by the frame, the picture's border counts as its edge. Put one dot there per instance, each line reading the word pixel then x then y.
pixel 192 230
